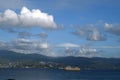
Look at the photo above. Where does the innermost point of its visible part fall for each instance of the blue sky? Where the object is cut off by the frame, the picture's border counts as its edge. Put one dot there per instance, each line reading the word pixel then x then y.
pixel 88 28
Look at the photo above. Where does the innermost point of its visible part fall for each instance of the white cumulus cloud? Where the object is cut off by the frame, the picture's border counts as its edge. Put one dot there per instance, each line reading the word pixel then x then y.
pixel 95 35
pixel 91 33
pixel 27 18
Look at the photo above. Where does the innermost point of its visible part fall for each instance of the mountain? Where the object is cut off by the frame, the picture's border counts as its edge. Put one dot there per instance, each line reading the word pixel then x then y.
pixel 94 63
pixel 10 56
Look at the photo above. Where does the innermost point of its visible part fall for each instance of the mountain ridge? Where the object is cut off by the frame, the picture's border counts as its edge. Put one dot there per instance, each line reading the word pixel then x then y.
pixel 95 62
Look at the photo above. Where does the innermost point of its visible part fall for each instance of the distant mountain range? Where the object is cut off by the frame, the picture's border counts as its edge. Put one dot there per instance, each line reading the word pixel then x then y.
pixel 92 63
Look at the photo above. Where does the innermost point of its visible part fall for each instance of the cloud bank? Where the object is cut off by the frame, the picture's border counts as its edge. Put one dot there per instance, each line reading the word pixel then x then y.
pixel 27 18
pixel 28 46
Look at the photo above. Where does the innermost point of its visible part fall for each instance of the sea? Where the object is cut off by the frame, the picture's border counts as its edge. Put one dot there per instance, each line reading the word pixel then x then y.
pixel 57 74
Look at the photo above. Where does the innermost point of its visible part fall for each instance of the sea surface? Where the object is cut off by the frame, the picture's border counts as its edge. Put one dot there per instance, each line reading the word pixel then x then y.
pixel 55 74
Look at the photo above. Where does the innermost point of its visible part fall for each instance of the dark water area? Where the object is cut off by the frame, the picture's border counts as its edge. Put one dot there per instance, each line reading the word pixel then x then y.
pixel 55 74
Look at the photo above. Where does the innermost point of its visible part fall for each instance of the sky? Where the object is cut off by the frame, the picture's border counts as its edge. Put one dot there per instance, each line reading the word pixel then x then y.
pixel 79 28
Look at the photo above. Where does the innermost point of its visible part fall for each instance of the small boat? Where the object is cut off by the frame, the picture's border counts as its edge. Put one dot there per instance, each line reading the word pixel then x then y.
pixel 69 68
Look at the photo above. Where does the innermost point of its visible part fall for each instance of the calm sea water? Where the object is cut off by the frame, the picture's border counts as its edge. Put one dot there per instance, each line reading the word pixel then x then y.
pixel 54 74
